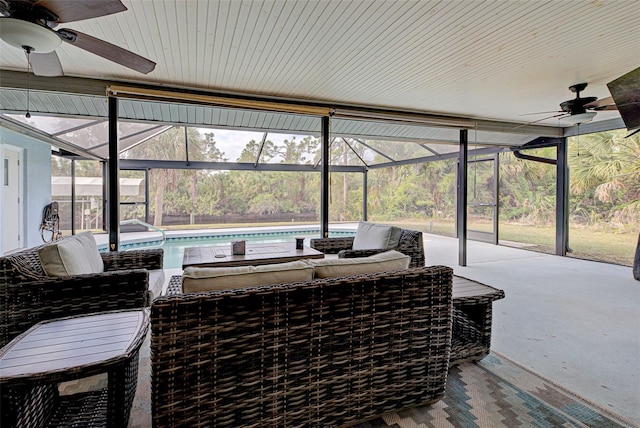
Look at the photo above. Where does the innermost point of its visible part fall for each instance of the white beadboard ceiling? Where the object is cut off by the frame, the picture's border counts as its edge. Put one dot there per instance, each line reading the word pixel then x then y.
pixel 495 60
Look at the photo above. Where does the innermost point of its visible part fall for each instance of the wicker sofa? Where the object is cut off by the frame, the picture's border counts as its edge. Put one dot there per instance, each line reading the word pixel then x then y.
pixel 326 352
pixel 409 243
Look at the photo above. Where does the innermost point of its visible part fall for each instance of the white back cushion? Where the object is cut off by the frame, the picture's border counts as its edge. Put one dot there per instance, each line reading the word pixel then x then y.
pixel 382 262
pixel 370 236
pixel 75 255
pixel 196 279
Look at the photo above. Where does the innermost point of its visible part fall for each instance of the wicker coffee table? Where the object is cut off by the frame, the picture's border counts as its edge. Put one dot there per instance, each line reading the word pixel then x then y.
pixel 65 349
pixel 255 254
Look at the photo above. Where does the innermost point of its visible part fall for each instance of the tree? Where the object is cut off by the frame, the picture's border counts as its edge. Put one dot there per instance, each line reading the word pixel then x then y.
pixel 605 177
pixel 170 145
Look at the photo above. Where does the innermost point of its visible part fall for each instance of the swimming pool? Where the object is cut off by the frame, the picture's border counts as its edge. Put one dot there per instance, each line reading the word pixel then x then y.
pixel 174 245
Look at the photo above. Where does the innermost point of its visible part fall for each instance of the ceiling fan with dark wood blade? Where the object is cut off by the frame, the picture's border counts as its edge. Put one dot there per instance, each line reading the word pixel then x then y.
pixel 29 25
pixel 579 109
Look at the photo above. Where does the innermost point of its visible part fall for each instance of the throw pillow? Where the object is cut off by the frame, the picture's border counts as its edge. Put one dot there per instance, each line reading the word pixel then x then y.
pixel 75 255
pixel 198 279
pixel 382 262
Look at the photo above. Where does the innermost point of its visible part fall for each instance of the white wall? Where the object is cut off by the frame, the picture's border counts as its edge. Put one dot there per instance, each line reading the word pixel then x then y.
pixel 36 169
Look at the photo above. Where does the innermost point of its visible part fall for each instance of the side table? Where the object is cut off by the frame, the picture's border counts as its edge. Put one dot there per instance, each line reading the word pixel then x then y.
pixel 60 350
pixel 472 318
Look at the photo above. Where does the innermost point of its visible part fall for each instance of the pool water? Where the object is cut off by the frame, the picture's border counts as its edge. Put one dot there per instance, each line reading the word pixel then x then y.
pixel 174 246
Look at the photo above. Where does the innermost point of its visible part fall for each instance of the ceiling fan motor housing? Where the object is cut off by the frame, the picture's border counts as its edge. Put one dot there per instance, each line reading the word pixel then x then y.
pixel 24 34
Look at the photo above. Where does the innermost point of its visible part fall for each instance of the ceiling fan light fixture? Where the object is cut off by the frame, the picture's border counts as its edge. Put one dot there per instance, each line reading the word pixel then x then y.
pixel 576 119
pixel 19 33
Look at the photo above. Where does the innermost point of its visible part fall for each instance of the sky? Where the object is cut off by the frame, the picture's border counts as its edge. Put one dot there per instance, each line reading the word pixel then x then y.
pixel 232 142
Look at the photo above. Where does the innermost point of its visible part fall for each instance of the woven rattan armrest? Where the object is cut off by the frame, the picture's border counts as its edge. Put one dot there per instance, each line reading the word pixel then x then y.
pixel 331 245
pixel 133 259
pixel 175 285
pixel 349 254
pixel 25 304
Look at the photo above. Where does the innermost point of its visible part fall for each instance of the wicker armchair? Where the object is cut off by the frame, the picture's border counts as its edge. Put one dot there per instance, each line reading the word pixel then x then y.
pixel 410 243
pixel 28 296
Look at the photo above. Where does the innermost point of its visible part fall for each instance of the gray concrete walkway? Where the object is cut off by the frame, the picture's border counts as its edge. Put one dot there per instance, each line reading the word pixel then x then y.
pixel 573 321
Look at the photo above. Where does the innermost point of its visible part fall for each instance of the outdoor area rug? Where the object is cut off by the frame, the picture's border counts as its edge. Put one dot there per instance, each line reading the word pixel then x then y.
pixel 492 393
pixel 497 392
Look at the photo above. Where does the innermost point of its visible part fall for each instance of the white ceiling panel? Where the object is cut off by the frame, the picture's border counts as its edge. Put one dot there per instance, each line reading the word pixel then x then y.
pixel 492 60
pixel 483 59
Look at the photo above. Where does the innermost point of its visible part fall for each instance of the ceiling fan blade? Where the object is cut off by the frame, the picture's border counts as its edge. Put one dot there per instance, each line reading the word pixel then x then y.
pixel 603 104
pixel 69 11
pixel 541 112
pixel 107 50
pixel 45 64
pixel 540 120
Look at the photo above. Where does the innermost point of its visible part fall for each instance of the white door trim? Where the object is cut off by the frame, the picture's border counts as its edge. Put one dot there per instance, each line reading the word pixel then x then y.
pixel 20 152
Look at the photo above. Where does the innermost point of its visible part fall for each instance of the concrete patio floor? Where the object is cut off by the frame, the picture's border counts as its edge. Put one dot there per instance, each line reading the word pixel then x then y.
pixel 572 321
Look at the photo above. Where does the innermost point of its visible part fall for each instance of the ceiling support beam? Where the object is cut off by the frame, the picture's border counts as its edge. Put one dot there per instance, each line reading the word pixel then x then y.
pixel 144 164
pixel 461 206
pixel 445 156
pixel 92 87
pixel 538 143
pixel 374 150
pixel 365 194
pixel 262 143
pixel 325 185
pixel 20 128
pixel 73 196
pixel 77 128
pixel 562 198
pixel 354 152
pixel 69 85
pixel 113 188
pixel 591 127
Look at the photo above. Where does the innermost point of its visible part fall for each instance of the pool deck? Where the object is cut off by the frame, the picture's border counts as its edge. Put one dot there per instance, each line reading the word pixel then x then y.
pixel 572 321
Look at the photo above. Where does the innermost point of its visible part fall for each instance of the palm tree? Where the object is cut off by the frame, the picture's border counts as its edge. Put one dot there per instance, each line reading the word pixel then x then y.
pixel 605 175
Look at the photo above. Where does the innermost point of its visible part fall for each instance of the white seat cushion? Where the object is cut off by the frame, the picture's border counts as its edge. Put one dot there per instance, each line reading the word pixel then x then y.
pixel 382 262
pixel 156 282
pixel 195 279
pixel 75 255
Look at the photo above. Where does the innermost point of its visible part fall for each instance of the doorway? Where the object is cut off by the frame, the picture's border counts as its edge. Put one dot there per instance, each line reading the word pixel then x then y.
pixel 11 199
pixel 482 199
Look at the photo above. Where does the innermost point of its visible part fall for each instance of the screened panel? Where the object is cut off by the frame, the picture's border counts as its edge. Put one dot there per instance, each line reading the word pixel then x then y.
pixel 345 197
pixel 52 124
pixel 290 149
pixel 169 145
pixel 347 151
pixel 604 196
pixel 528 201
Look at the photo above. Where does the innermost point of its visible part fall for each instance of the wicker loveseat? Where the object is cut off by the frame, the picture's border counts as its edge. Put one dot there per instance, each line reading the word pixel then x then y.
pixel 28 295
pixel 327 352
pixel 410 243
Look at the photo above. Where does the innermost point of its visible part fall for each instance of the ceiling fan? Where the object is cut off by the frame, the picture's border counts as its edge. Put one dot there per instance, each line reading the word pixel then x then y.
pixel 29 25
pixel 579 109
